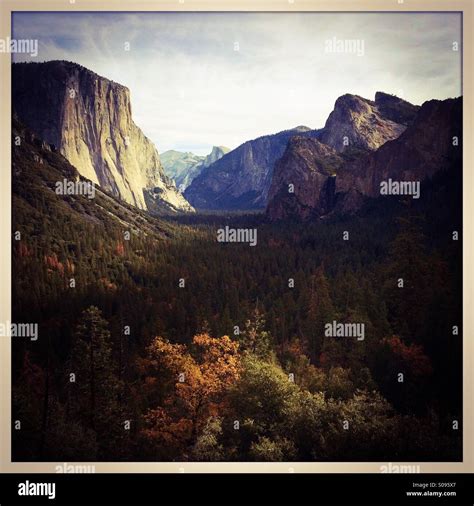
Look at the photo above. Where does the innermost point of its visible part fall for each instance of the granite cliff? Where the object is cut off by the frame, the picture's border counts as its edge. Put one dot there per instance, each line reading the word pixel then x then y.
pixel 241 179
pixel 303 181
pixel 88 118
pixel 327 178
pixel 427 146
pixel 362 123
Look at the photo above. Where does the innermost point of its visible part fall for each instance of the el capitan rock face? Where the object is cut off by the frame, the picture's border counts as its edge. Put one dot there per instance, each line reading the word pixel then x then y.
pixel 36 169
pixel 241 179
pixel 89 119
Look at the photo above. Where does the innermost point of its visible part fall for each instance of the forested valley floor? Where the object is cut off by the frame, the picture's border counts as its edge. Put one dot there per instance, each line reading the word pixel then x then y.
pixel 164 344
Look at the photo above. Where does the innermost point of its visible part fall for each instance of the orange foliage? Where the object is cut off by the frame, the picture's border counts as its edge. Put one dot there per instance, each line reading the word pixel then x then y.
pixel 120 249
pixel 293 348
pixel 412 355
pixel 199 383
pixel 70 266
pixel 53 262
pixel 112 287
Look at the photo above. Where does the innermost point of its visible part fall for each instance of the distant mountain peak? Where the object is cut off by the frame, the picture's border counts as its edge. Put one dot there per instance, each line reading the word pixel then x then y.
pixel 301 128
pixel 184 167
pixel 216 153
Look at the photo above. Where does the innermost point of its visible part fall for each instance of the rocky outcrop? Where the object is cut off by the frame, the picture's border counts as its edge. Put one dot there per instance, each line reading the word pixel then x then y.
pixel 241 179
pixel 427 146
pixel 326 181
pixel 216 153
pixel 89 120
pixel 395 109
pixel 304 180
pixel 184 167
pixel 362 123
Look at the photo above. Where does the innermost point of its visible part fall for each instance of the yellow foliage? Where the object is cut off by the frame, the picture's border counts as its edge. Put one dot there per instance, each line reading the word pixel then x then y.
pixel 201 381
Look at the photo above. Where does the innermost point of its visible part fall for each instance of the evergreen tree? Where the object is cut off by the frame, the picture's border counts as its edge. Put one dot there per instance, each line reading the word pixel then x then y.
pixel 320 311
pixel 95 389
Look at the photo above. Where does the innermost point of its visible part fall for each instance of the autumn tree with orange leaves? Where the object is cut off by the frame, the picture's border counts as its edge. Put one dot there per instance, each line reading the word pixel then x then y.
pixel 189 386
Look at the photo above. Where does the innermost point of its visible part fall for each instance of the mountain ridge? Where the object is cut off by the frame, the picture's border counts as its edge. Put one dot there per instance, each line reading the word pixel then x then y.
pixel 360 122
pixel 242 179
pixel 425 147
pixel 184 166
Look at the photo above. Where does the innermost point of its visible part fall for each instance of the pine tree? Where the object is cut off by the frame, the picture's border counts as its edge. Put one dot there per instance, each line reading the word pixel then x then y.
pixel 94 400
pixel 320 311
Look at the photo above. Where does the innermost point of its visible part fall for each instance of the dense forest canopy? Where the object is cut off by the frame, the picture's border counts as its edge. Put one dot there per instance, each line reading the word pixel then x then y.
pixel 157 342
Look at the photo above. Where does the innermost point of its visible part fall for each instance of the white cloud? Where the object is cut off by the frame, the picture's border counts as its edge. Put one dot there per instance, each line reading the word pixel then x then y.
pixel 190 89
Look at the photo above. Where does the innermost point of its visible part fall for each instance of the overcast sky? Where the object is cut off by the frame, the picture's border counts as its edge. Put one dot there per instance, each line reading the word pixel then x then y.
pixel 191 89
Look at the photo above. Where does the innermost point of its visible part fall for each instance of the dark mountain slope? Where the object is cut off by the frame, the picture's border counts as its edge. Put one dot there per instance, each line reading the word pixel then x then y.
pixel 427 146
pixel 241 178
